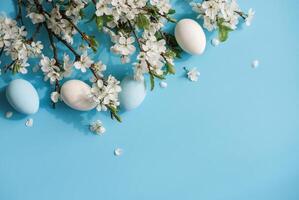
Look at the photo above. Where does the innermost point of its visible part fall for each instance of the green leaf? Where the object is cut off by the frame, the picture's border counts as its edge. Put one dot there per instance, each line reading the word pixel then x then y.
pixel 152 81
pixel 171 11
pixel 223 34
pixel 170 68
pixel 223 30
pixel 100 22
pixel 170 54
pixel 81 13
pixel 171 19
pixel 93 42
pixel 142 21
pixel 109 18
pixel 114 113
pixel 16 68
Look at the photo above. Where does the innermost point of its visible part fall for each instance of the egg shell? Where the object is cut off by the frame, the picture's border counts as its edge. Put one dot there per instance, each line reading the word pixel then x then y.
pixel 76 94
pixel 22 96
pixel 132 94
pixel 190 36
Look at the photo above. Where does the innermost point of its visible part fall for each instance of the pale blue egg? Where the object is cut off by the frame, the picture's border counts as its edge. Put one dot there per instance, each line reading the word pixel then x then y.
pixel 22 96
pixel 132 94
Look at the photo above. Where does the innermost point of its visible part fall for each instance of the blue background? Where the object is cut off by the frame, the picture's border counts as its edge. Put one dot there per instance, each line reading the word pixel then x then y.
pixel 233 135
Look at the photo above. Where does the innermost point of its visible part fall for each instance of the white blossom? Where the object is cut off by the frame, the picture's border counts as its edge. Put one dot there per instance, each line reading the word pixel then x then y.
pixel 163 6
pixel 193 74
pixel 16 46
pixel 55 96
pixel 124 46
pixel 84 62
pixel 249 17
pixel 105 93
pixel 97 127
pixel 221 12
pixel 51 70
pixel 99 68
pixel 36 17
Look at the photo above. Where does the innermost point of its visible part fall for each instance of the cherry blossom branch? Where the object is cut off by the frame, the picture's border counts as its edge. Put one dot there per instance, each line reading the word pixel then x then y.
pixel 50 35
pixel 83 35
pixel 152 74
pixel 241 14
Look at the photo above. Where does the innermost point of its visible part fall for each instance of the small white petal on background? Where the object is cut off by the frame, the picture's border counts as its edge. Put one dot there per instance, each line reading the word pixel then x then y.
pixel 255 64
pixel 193 74
pixel 8 114
pixel 29 122
pixel 55 97
pixel 97 127
pixel 118 152
pixel 215 42
pixel 163 84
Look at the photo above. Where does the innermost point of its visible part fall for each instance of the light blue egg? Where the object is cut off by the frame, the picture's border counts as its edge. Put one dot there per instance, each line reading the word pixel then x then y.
pixel 132 94
pixel 22 96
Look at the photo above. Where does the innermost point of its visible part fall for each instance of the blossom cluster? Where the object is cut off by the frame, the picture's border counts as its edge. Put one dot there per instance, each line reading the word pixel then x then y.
pixel 223 15
pixel 97 127
pixel 105 93
pixel 135 28
pixel 59 20
pixel 15 45
pixel 53 71
pixel 137 25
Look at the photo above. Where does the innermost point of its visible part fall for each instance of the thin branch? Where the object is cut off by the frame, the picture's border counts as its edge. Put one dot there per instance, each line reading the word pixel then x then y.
pixel 241 14
pixel 1 51
pixel 83 35
pixel 140 47
pixel 7 67
pixel 50 35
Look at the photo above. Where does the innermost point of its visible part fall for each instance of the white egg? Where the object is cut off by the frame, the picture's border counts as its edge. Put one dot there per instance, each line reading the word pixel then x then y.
pixel 132 94
pixel 190 36
pixel 76 94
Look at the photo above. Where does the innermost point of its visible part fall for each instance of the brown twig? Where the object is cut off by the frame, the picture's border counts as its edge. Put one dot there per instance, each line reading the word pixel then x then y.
pixel 83 35
pixel 1 51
